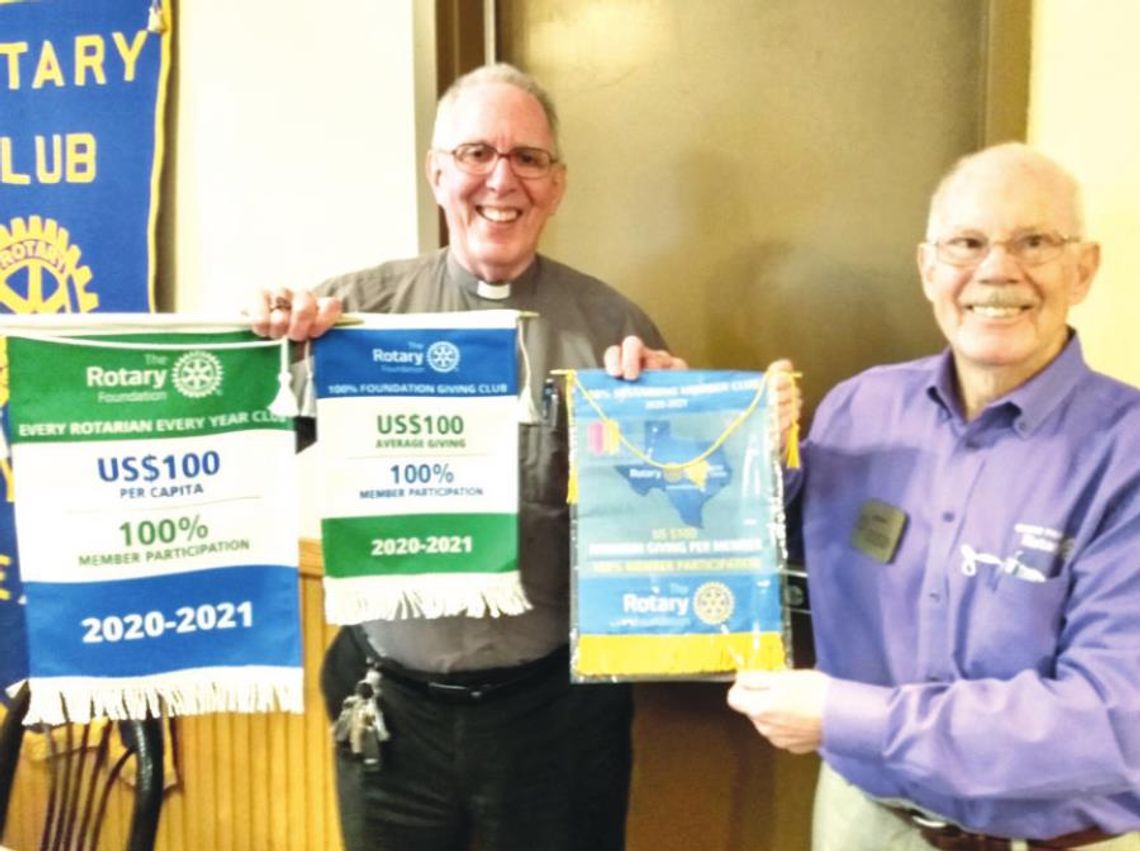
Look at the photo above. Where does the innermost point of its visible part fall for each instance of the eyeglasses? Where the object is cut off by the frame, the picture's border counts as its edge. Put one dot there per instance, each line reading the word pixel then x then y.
pixel 1029 249
pixel 481 158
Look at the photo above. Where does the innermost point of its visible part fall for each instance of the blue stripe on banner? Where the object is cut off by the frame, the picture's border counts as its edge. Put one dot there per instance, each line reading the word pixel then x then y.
pixel 415 362
pixel 227 616
pixel 664 392
pixel 704 603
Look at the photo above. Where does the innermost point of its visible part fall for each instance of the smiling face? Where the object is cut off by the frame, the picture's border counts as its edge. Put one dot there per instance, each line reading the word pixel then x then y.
pixel 495 219
pixel 1005 321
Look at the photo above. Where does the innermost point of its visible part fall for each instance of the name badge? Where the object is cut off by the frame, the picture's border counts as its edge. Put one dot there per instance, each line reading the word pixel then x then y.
pixel 878 530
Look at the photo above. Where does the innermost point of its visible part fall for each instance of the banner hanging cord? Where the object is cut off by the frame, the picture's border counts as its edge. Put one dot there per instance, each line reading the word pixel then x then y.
pixel 736 422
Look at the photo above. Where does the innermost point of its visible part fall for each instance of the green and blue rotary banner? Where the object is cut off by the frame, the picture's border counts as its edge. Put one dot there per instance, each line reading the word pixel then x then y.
pixel 418 441
pixel 82 103
pixel 678 519
pixel 157 524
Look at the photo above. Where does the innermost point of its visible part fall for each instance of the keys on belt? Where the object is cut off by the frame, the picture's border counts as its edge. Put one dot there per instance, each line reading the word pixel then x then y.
pixel 360 728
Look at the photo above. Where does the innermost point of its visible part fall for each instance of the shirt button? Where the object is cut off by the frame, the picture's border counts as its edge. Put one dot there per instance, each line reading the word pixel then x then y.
pixel 934 595
pixel 948 516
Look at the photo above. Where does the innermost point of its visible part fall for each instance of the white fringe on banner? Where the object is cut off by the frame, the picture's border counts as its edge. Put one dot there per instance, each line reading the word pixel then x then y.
pixel 436 595
pixel 194 691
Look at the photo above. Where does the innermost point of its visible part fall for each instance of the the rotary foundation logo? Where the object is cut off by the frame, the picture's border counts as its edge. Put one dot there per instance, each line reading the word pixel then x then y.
pixel 713 603
pixel 443 356
pixel 197 374
pixel 40 270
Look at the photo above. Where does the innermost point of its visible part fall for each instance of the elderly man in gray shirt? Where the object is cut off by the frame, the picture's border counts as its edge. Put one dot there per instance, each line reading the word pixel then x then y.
pixel 490 742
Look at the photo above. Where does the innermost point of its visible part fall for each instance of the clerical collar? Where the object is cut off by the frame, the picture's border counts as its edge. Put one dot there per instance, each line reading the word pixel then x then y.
pixel 494 292
pixel 522 287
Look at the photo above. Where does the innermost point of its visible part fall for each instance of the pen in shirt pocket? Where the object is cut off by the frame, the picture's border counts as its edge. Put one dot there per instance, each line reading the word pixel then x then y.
pixel 550 401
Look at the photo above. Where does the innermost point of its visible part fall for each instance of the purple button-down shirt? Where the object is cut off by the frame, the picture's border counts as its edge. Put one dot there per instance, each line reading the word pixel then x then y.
pixel 990 670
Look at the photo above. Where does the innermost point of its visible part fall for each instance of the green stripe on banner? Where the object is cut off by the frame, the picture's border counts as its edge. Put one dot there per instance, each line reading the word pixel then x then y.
pixel 419 544
pixel 103 393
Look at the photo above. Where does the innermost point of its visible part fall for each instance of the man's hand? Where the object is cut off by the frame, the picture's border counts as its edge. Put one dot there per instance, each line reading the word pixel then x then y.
pixel 786 707
pixel 632 356
pixel 297 315
pixel 789 399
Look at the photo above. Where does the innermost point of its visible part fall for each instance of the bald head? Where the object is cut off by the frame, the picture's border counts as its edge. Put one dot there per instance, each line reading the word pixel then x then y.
pixel 1000 167
pixel 499 73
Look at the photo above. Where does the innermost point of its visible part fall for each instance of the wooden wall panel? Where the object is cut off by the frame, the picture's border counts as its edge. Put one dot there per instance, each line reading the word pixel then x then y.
pixel 247 782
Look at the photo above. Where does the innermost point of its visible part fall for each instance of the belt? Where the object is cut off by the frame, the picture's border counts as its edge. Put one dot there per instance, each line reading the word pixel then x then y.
pixel 481 686
pixel 949 837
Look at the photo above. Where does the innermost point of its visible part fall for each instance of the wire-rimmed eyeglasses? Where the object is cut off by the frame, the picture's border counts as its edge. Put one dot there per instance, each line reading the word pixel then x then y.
pixel 481 158
pixel 1032 248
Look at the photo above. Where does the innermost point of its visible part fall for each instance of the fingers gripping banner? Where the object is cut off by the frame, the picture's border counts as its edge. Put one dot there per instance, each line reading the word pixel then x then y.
pixel 418 439
pixel 156 519
pixel 678 525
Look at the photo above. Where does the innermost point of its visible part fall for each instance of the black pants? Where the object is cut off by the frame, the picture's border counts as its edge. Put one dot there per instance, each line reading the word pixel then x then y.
pixel 545 767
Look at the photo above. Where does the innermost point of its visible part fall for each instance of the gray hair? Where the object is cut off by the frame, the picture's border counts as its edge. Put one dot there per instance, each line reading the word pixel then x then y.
pixel 1012 155
pixel 500 72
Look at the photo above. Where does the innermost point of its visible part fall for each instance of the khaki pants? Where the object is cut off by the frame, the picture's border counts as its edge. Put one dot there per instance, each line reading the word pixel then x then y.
pixel 845 819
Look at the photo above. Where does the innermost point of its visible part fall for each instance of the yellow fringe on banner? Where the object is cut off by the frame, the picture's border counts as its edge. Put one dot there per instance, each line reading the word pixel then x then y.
pixel 647 655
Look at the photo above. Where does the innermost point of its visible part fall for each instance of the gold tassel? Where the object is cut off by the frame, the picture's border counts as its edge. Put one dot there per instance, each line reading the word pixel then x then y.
pixel 792 450
pixel 792 447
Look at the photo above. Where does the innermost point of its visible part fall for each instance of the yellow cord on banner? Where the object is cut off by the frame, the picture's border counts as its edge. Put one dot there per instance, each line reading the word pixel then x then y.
pixel 668 466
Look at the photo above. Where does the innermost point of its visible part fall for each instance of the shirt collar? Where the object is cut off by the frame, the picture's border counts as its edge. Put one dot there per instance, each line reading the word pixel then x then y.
pixel 523 285
pixel 1033 401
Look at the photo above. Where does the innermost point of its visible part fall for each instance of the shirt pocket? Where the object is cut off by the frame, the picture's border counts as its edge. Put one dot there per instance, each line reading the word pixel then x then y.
pixel 543 463
pixel 1014 626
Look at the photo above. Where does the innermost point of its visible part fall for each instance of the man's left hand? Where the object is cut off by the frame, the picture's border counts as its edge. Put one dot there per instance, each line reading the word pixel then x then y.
pixel 786 707
pixel 632 356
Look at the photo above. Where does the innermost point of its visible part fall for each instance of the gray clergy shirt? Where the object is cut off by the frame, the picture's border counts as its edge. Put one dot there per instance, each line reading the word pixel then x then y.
pixel 578 317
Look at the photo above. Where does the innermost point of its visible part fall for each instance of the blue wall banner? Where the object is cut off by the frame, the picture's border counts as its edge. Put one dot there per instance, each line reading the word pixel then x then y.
pixel 82 96
pixel 678 525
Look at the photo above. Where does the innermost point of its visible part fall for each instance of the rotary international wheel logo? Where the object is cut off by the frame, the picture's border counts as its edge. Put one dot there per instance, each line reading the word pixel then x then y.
pixel 713 603
pixel 443 356
pixel 197 374
pixel 40 270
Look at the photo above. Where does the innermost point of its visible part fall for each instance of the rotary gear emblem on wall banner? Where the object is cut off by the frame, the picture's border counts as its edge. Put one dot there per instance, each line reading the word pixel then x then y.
pixel 82 103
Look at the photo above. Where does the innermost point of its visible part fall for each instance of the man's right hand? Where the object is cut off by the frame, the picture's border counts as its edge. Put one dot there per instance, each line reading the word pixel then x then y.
pixel 299 315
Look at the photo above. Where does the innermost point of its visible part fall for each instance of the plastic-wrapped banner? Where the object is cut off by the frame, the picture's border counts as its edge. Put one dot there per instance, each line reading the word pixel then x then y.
pixel 678 526
pixel 418 443
pixel 157 525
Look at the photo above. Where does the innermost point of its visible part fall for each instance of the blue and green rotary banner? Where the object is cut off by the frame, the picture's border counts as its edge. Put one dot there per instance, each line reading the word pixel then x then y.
pixel 157 525
pixel 82 93
pixel 418 441
pixel 678 525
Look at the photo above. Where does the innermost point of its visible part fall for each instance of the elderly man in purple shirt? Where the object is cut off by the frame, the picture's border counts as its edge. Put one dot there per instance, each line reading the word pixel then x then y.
pixel 971 527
